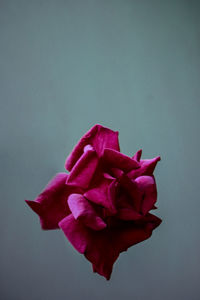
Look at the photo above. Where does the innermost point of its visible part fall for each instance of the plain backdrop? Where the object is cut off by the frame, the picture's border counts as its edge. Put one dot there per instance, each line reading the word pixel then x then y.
pixel 133 66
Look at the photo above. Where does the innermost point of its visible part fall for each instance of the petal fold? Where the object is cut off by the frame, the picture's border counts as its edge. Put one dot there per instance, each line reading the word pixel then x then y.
pixel 147 186
pixel 146 167
pixel 118 160
pixel 83 210
pixel 83 171
pixel 99 137
pixel 100 194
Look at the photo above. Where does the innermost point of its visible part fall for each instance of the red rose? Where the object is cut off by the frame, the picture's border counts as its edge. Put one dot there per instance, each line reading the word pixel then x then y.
pixel 103 204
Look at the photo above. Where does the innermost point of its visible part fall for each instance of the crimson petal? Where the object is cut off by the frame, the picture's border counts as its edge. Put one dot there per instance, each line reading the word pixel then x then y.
pixel 100 194
pixel 147 185
pixel 119 160
pixel 83 210
pixel 138 155
pixel 147 167
pixel 99 137
pixel 51 205
pixel 82 172
pixel 102 248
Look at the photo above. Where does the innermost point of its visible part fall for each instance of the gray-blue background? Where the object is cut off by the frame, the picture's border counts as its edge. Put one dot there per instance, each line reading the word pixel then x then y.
pixel 132 66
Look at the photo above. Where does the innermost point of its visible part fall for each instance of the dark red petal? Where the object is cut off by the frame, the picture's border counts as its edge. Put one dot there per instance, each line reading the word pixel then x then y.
pixel 51 205
pixel 147 186
pixel 128 199
pixel 83 210
pixel 35 206
pixel 102 248
pixel 152 221
pixel 83 171
pixel 130 188
pixel 147 167
pixel 128 214
pixel 99 137
pixel 118 160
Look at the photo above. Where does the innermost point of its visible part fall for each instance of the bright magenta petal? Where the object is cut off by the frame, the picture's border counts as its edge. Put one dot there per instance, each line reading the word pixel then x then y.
pixel 102 248
pixel 84 211
pixel 118 160
pixel 99 137
pixel 147 186
pixel 82 172
pixel 51 205
pixel 147 167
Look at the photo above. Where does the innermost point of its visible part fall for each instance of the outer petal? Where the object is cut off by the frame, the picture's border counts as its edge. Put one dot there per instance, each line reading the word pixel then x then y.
pixel 82 172
pixel 83 210
pixel 138 155
pixel 118 160
pixel 147 167
pixel 147 186
pixel 102 248
pixel 99 137
pixel 51 205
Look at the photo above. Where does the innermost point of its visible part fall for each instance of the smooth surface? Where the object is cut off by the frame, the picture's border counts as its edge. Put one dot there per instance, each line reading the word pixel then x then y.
pixel 132 66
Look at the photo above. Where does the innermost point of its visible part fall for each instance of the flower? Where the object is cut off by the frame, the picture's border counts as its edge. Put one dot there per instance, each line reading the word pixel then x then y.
pixel 102 205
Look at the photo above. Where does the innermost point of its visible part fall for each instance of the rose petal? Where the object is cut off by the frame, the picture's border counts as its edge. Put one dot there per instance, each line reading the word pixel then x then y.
pixel 116 172
pixel 51 205
pixel 99 137
pixel 76 232
pixel 150 219
pixel 118 160
pixel 137 155
pixel 128 214
pixel 82 172
pixel 102 248
pixel 147 186
pixel 100 194
pixel 83 210
pixel 128 199
pixel 147 167
pixel 130 188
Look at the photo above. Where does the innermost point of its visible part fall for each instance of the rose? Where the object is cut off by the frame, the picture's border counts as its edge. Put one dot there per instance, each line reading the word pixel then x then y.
pixel 103 204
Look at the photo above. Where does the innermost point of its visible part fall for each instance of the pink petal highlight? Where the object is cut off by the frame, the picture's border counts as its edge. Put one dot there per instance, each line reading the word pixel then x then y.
pixel 83 210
